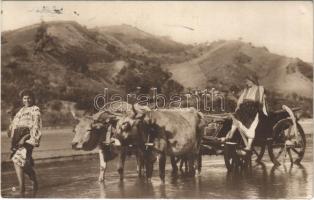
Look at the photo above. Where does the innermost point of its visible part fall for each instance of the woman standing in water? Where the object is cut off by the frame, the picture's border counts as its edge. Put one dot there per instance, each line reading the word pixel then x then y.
pixel 251 107
pixel 25 134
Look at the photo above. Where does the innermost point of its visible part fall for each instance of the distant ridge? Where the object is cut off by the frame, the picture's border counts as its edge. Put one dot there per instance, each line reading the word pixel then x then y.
pixel 69 62
pixel 230 61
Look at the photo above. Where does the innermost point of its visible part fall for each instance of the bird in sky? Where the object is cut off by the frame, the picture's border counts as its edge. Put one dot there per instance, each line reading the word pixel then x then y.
pixel 76 13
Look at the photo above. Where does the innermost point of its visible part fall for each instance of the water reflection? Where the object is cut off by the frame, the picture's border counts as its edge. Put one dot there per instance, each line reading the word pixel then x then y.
pixel 149 189
pixel 292 179
pixel 259 181
pixel 281 182
pixel 121 188
pixel 102 190
pixel 162 189
pixel 262 180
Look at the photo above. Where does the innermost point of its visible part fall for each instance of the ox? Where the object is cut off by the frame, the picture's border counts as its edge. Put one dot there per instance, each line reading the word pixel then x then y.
pixel 173 132
pixel 98 131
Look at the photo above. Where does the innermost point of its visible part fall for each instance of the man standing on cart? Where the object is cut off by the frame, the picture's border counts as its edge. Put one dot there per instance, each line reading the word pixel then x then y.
pixel 251 107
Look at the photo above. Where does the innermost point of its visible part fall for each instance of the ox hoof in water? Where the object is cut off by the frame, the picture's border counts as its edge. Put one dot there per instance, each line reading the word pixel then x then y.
pixel 101 178
pixel 120 171
pixel 162 180
pixel 174 173
pixel 191 173
pixel 198 173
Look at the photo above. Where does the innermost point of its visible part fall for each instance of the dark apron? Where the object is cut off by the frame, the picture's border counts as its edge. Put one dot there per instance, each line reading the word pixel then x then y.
pixel 19 133
pixel 247 112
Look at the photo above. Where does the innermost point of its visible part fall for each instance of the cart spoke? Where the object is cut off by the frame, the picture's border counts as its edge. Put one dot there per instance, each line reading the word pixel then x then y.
pixel 279 153
pixel 289 131
pixel 290 156
pixel 297 152
pixel 256 153
pixel 287 142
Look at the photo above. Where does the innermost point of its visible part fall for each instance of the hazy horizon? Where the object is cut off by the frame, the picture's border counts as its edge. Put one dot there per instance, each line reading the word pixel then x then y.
pixel 285 28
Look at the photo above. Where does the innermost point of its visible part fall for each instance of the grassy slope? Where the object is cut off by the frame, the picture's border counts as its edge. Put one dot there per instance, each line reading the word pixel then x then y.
pixel 230 61
pixel 106 52
pixel 55 73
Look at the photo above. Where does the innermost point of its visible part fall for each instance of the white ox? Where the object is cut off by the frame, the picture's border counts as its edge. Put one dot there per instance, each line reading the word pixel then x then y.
pixel 98 131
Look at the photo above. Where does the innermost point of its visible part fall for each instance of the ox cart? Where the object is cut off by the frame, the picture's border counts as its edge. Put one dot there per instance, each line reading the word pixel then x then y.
pixel 279 132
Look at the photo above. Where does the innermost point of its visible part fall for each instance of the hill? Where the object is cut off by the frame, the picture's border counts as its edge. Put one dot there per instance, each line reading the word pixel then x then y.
pixel 65 62
pixel 62 60
pixel 224 64
pixel 139 41
pixel 230 61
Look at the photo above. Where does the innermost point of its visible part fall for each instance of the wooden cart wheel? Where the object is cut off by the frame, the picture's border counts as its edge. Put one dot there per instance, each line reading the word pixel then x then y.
pixel 230 157
pixel 279 151
pixel 233 160
pixel 258 152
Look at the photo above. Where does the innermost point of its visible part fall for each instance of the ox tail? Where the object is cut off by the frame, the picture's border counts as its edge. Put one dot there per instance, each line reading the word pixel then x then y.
pixel 200 130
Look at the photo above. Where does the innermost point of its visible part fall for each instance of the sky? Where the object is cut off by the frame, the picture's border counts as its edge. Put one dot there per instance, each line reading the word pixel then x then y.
pixel 284 27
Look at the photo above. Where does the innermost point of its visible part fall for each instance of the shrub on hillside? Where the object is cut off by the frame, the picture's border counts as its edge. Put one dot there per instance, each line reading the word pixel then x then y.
pixel 13 64
pixel 242 58
pixel 41 31
pixel 41 38
pixel 306 69
pixel 19 51
pixel 84 98
pixel 146 76
pixel 77 60
pixel 56 105
pixel 3 40
pixel 172 87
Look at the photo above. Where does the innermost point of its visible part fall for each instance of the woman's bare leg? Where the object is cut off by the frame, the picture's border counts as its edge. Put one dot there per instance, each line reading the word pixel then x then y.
pixel 20 176
pixel 249 144
pixel 251 132
pixel 32 175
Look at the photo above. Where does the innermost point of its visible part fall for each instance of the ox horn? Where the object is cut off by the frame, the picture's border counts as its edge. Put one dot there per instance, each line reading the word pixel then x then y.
pixel 98 116
pixel 115 113
pixel 74 115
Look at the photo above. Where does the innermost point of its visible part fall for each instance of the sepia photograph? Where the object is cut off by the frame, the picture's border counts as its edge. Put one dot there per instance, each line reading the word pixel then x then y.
pixel 157 99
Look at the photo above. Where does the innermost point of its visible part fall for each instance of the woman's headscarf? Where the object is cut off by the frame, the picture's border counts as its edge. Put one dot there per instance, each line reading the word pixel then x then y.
pixel 253 78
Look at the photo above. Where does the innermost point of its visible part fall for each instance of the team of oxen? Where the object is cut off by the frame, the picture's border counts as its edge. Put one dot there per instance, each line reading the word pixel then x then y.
pixel 150 134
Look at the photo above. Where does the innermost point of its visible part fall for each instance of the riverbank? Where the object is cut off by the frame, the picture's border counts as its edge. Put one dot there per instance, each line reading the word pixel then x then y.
pixel 56 146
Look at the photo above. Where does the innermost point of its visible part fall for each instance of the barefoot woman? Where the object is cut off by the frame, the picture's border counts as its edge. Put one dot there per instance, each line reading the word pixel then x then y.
pixel 250 109
pixel 25 135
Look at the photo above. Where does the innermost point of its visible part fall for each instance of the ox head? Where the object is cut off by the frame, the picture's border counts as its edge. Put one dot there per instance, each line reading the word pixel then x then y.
pixel 128 127
pixel 91 130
